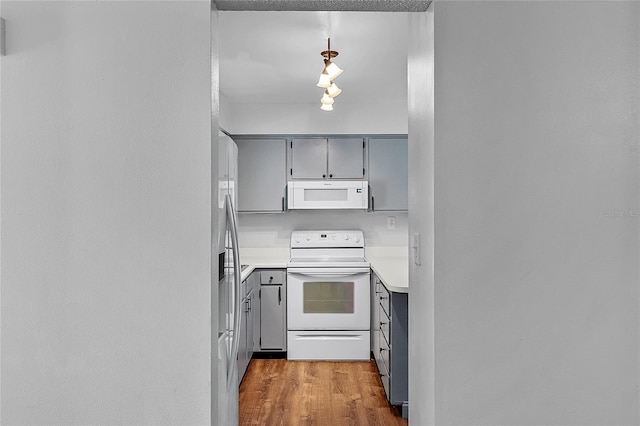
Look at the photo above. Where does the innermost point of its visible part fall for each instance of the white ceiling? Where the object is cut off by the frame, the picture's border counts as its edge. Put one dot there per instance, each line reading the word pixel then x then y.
pixel 274 57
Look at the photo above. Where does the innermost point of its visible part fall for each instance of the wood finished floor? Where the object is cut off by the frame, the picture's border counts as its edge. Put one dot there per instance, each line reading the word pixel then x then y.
pixel 281 392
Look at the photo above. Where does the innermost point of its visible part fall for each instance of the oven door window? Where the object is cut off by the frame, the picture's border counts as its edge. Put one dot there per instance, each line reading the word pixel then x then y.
pixel 328 298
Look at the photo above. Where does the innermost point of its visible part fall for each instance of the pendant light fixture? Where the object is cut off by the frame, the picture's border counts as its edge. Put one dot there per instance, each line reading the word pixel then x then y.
pixel 329 73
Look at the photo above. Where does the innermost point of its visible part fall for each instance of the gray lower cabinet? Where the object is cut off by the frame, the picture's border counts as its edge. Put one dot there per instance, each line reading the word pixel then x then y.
pixel 388 173
pixel 273 303
pixel 246 332
pixel 262 176
pixel 389 344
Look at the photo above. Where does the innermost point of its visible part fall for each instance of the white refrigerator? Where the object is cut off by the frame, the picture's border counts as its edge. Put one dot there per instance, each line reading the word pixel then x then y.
pixel 229 283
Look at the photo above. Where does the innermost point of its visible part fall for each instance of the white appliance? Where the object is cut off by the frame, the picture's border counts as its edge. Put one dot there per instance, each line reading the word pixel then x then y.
pixel 229 313
pixel 328 296
pixel 328 194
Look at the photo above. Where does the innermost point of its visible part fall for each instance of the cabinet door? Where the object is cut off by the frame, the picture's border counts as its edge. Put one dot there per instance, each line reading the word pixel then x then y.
pixel 249 324
pixel 272 317
pixel 346 158
pixel 254 280
pixel 308 158
pixel 399 330
pixel 262 175
pixel 243 359
pixel 388 173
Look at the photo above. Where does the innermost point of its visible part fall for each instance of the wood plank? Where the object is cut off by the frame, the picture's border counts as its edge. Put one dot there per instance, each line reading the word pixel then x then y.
pixel 281 392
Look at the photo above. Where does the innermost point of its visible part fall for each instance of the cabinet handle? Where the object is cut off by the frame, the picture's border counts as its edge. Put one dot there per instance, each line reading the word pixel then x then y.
pixel 383 349
pixel 279 295
pixel 373 203
pixel 383 323
pixel 330 175
pixel 384 297
pixel 324 176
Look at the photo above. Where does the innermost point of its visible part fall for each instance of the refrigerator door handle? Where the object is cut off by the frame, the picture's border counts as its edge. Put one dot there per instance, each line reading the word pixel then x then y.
pixel 231 216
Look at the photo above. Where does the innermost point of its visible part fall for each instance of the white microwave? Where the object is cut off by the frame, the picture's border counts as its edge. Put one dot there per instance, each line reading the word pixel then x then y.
pixel 328 194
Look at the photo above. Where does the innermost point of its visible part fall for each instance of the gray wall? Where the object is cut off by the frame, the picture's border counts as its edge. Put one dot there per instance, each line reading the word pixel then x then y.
pixel 282 118
pixel 536 212
pixel 105 208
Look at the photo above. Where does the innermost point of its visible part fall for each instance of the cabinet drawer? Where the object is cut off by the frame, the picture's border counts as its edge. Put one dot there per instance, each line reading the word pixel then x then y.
pixel 384 332
pixel 384 357
pixel 271 277
pixel 383 296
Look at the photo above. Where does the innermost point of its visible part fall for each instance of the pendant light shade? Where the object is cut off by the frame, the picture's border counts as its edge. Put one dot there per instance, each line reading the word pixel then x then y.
pixel 332 69
pixel 326 99
pixel 324 80
pixel 333 90
pixel 326 107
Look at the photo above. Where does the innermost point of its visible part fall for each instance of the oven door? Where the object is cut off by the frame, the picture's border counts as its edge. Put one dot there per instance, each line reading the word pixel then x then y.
pixel 328 298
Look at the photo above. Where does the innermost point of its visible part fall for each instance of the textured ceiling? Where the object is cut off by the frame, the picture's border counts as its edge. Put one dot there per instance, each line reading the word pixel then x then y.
pixel 325 5
pixel 274 57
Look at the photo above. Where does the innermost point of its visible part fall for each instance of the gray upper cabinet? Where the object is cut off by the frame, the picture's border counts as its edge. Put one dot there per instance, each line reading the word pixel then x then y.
pixel 322 158
pixel 309 158
pixel 262 176
pixel 388 173
pixel 346 158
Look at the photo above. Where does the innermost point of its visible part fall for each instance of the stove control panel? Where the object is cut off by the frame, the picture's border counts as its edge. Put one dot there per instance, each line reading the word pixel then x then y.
pixel 312 239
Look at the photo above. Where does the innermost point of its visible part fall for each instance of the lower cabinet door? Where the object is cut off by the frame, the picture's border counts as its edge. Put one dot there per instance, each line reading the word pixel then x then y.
pixel 272 318
pixel 243 356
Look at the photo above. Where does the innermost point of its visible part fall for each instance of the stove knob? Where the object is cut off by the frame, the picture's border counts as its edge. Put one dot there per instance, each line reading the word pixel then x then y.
pixel 356 239
pixel 333 236
pixel 298 240
pixel 346 236
pixel 308 237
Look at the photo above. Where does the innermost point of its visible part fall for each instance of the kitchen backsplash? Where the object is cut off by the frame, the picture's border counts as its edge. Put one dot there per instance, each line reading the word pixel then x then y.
pixel 274 230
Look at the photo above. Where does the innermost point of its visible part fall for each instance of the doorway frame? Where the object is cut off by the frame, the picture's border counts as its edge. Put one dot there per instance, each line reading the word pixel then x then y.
pixel 421 137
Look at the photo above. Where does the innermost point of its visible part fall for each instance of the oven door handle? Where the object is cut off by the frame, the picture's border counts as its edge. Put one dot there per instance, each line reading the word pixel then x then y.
pixel 328 274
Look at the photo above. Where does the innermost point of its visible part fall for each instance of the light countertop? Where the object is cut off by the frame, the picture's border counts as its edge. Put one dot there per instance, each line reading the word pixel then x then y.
pixel 268 257
pixel 390 264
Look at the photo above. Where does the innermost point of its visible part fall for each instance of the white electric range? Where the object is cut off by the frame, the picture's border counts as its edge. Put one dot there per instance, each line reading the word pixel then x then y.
pixel 328 296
